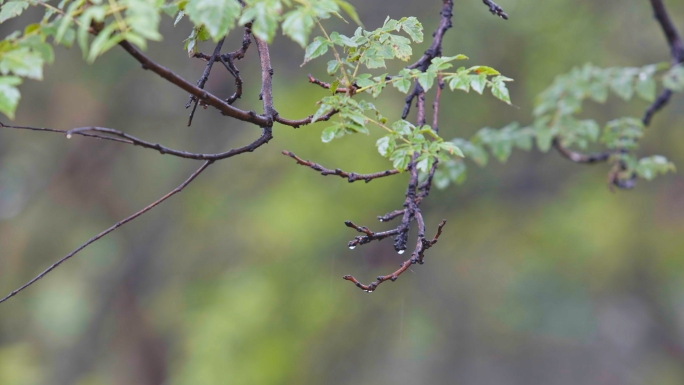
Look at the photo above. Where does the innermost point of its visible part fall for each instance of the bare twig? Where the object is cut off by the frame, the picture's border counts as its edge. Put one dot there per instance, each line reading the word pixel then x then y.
pixel 109 230
pixel 351 176
pixel 495 9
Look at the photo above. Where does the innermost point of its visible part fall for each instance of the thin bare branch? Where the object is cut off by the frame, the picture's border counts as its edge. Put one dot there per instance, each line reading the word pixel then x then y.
pixel 109 230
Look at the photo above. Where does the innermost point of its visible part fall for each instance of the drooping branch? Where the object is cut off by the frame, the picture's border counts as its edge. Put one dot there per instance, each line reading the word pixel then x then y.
pixel 109 230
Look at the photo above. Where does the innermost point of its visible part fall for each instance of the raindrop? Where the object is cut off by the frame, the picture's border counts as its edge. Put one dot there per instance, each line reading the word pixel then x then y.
pixel 401 251
pixel 352 247
pixel 382 220
pixel 69 136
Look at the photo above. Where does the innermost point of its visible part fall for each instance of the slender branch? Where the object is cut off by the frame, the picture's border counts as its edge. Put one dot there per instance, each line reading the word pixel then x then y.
pixel 203 80
pixel 351 176
pixel 122 137
pixel 339 90
pixel 495 9
pixel 109 230
pixel 676 53
pixel 578 157
pixel 305 121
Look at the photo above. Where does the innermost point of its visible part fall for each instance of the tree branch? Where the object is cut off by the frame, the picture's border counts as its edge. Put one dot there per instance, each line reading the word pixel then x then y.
pixel 109 230
pixel 351 176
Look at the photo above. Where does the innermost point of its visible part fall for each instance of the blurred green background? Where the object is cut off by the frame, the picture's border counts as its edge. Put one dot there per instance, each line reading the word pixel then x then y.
pixel 542 276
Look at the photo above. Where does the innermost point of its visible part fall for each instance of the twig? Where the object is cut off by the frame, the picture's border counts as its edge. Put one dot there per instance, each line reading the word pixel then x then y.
pixel 495 9
pixel 109 230
pixel 203 80
pixel 351 176
pixel 416 257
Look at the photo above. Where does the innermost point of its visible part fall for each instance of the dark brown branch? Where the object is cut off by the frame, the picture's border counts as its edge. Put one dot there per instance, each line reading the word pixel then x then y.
pixel 416 257
pixel 578 157
pixel 495 9
pixel 109 230
pixel 435 49
pixel 351 176
pixel 676 54
pixel 339 90
pixel 203 80
pixel 305 121
pixel 122 137
pixel 202 95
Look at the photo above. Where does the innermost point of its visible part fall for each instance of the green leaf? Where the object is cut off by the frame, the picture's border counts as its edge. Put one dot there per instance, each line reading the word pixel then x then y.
pixel 500 91
pixel 674 79
pixel 333 67
pixel 402 127
pixel 317 48
pixel 297 25
pixel 402 82
pixel 349 9
pixel 413 28
pixel 649 168
pixel 646 88
pixel 427 79
pixel 217 16
pixel 460 81
pixel 385 146
pixel 142 17
pixel 329 134
pixel 489 71
pixel 478 82
pixel 342 40
pixel 9 95
pixel 12 9
pixel 622 86
pixel 451 148
pixel 22 62
pixel 264 16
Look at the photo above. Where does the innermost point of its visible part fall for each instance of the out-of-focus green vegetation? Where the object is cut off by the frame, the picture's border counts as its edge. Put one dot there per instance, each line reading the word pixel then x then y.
pixel 541 276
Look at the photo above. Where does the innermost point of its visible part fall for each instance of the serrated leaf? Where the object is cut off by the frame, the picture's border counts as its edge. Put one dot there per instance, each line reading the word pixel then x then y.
pixel 317 48
pixel 413 28
pixel 217 16
pixel 402 127
pixel 333 67
pixel 500 92
pixel 329 134
pixel 297 25
pixel 9 95
pixel 649 168
pixel 403 84
pixel 384 146
pixel 22 62
pixel 478 82
pixel 646 88
pixel 12 9
pixel 452 149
